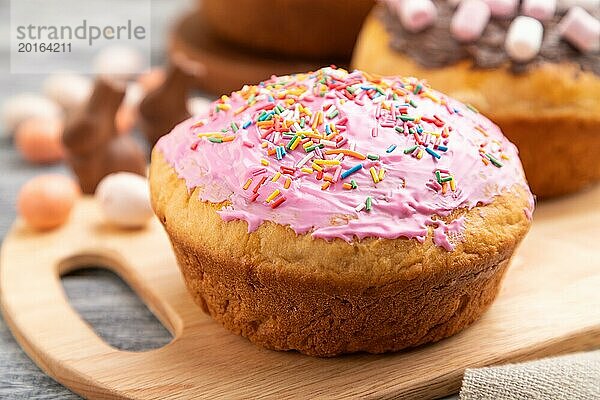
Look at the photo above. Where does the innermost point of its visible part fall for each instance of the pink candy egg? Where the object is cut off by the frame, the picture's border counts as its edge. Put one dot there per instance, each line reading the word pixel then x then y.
pixel 39 140
pixel 125 119
pixel 45 202
pixel 152 79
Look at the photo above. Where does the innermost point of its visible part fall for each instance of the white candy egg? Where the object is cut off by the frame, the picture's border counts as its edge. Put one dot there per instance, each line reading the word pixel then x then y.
pixel 118 63
pixel 26 106
pixel 198 105
pixel 68 90
pixel 133 94
pixel 125 200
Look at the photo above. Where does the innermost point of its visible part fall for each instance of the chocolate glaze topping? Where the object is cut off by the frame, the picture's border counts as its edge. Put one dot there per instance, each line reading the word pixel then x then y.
pixel 435 47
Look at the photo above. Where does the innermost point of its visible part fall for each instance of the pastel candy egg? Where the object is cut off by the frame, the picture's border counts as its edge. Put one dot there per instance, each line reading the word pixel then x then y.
pixel 581 29
pixel 524 38
pixel 118 63
pixel 125 119
pixel 134 93
pixel 39 140
pixel 198 105
pixel 125 200
pixel 68 90
pixel 26 106
pixel 469 20
pixel 45 202
pixel 152 79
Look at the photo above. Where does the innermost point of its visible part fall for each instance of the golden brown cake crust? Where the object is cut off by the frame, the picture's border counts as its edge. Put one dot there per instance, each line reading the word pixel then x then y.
pixel 552 113
pixel 292 292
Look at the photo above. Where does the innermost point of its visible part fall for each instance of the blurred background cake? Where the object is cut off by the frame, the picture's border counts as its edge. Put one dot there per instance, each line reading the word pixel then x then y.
pixel 249 40
pixel 310 29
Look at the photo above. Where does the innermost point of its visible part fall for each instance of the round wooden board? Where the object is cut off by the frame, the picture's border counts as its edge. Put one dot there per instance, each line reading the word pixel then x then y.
pixel 548 305
pixel 219 67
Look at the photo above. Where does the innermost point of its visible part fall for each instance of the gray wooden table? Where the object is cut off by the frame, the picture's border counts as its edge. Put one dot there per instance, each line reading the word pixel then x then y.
pixel 99 296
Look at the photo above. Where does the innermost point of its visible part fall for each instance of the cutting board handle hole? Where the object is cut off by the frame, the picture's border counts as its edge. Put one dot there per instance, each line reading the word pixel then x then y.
pixel 99 295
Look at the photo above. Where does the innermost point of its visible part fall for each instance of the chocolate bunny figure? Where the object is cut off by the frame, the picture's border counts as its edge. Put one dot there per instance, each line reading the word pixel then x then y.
pixel 94 149
pixel 166 106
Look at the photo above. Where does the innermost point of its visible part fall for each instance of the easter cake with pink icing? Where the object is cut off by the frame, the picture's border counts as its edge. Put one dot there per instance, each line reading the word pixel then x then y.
pixel 334 212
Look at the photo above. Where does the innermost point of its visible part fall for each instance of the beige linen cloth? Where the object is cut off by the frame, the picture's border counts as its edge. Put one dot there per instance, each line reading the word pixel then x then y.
pixel 571 377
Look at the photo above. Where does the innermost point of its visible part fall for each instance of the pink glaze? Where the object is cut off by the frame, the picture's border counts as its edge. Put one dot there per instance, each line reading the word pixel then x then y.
pixel 404 204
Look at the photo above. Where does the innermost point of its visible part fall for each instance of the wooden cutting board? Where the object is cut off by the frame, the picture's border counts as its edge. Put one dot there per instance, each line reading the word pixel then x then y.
pixel 549 304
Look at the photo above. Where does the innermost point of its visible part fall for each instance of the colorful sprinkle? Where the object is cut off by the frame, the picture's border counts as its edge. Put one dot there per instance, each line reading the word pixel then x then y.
pixel 352 170
pixel 274 194
pixel 433 153
pixel 374 175
pixel 410 149
pixel 282 114
pixel 493 160
pixel 278 202
pixel 347 153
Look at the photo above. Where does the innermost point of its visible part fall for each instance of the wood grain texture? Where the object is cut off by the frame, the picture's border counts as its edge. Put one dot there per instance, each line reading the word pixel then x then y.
pixel 548 306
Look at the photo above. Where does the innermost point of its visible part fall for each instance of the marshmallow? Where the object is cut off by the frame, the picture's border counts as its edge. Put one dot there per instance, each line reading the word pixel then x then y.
pixel 581 29
pixel 524 38
pixel 590 5
pixel 469 20
pixel 416 15
pixel 69 90
pixel 503 8
pixel 539 9
pixel 26 106
pixel 125 200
